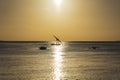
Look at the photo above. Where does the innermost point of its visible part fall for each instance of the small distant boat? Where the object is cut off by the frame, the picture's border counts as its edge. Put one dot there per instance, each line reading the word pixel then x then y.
pixel 55 44
pixel 94 47
pixel 43 48
pixel 58 41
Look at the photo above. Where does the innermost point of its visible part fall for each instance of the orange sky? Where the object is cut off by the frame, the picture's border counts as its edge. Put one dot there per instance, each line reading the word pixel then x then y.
pixel 81 20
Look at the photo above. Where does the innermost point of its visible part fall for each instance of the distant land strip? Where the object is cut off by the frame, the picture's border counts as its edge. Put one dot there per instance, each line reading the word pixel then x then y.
pixel 1 41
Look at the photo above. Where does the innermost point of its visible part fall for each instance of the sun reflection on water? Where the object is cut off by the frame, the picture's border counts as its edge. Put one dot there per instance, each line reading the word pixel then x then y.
pixel 57 62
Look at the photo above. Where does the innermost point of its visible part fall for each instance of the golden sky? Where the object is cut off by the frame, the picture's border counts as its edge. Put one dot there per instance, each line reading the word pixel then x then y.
pixel 79 20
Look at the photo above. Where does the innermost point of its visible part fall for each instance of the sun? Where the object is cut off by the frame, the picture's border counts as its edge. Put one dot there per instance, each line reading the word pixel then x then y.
pixel 58 2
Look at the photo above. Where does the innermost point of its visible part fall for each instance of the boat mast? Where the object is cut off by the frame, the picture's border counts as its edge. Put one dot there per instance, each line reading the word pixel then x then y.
pixel 57 39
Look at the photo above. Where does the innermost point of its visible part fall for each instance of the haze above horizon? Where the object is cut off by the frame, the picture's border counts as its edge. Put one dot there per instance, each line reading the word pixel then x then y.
pixel 70 20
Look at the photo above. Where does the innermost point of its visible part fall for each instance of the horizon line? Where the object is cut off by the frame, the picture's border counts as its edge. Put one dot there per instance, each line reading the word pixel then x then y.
pixel 54 41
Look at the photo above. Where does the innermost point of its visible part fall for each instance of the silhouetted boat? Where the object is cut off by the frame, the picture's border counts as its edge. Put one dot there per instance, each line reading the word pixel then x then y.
pixel 58 41
pixel 94 47
pixel 42 48
pixel 55 44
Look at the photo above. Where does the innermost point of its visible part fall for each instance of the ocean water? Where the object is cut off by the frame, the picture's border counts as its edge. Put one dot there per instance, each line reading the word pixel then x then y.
pixel 69 61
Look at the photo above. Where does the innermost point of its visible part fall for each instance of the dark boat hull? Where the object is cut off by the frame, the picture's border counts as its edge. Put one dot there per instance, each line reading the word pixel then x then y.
pixel 43 48
pixel 55 44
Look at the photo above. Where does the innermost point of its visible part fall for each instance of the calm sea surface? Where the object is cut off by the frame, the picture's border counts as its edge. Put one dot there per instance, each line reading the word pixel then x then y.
pixel 69 61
